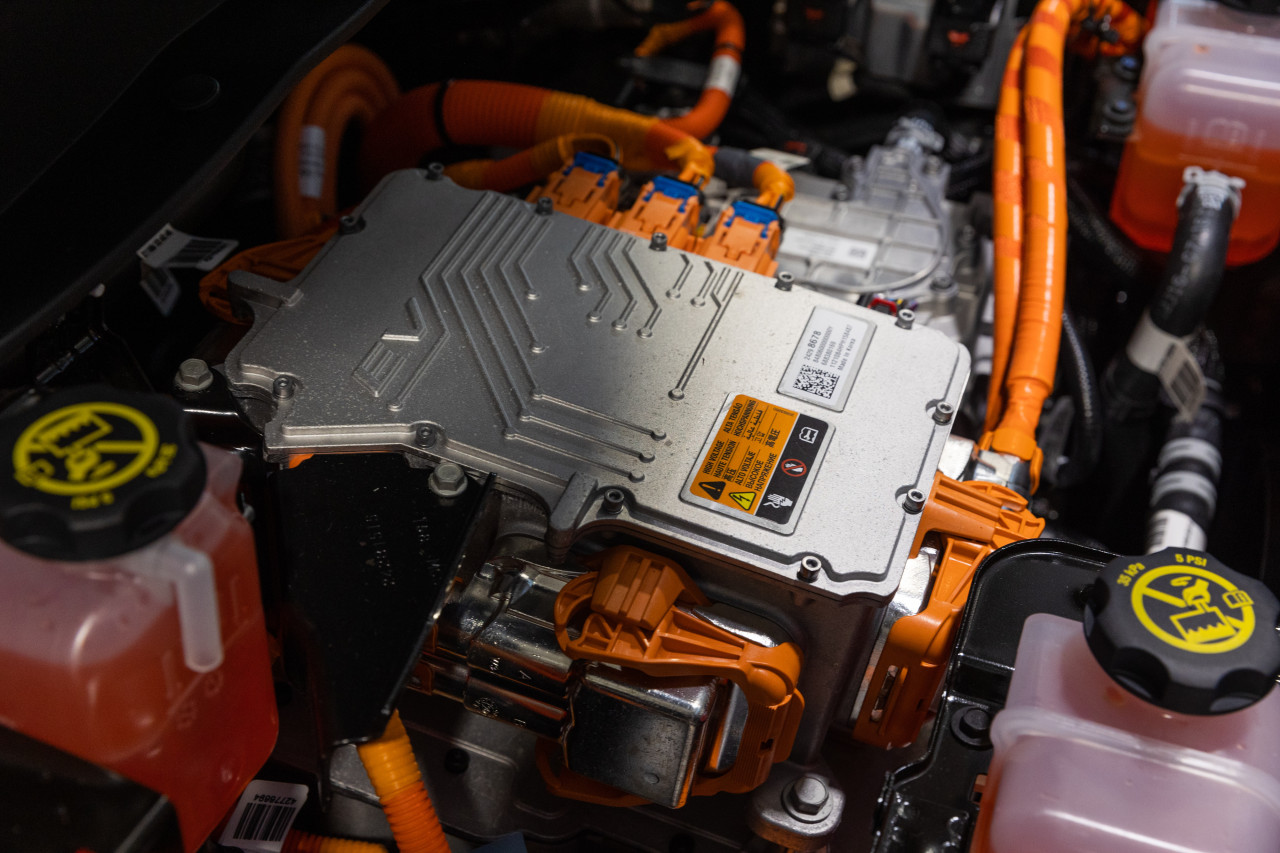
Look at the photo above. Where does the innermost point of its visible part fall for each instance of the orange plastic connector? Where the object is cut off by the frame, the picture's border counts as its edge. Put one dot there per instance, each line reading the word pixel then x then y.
pixel 664 205
pixel 747 236
pixel 632 612
pixel 586 188
pixel 974 519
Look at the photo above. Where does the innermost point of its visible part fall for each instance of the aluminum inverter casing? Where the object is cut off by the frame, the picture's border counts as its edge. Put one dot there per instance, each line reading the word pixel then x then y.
pixel 690 402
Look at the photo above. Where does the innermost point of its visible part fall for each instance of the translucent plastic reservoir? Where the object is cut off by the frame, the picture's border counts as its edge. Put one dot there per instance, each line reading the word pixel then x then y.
pixel 153 663
pixel 1080 764
pixel 1209 97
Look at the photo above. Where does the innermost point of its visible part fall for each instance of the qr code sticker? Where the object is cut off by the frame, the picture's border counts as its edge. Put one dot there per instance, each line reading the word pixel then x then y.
pixel 820 383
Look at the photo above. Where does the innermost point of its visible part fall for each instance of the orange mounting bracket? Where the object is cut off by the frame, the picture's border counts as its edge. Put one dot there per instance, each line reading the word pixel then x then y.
pixel 974 518
pixel 633 611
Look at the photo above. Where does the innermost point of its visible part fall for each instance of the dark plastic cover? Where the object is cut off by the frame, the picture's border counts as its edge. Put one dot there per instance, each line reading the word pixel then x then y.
pixel 93 472
pixel 1182 631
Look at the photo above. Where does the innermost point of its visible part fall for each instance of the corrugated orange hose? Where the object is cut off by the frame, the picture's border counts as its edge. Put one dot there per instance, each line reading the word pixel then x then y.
pixel 726 63
pixel 1033 360
pixel 1006 224
pixel 392 768
pixel 475 112
pixel 349 87
pixel 305 842
pixel 530 165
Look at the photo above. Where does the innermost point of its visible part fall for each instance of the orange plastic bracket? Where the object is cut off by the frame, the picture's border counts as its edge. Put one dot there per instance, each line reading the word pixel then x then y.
pixel 974 519
pixel 632 611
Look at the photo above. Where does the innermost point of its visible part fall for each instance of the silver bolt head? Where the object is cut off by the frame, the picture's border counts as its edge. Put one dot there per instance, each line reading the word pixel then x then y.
pixel 914 501
pixel 447 480
pixel 906 318
pixel 808 794
pixel 943 413
pixel 193 375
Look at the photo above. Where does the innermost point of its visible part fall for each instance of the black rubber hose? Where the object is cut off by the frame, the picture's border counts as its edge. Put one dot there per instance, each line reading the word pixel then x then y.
pixel 735 166
pixel 1082 384
pixel 1187 289
pixel 1196 262
pixel 1089 224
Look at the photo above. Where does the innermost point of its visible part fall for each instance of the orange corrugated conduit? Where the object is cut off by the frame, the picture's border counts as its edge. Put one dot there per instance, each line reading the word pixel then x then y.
pixel 475 112
pixel 392 768
pixel 1032 361
pixel 350 87
pixel 726 63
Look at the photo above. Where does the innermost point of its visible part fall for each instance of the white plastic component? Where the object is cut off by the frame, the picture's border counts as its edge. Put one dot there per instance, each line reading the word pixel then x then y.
pixel 191 575
pixel 1081 764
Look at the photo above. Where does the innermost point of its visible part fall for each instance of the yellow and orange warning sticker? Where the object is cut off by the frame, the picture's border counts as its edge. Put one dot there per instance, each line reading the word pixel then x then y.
pixel 758 463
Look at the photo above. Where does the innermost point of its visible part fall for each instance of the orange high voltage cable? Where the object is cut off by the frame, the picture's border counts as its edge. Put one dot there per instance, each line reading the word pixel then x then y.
pixel 726 63
pixel 1006 224
pixel 528 166
pixel 475 112
pixel 1034 356
pixel 350 87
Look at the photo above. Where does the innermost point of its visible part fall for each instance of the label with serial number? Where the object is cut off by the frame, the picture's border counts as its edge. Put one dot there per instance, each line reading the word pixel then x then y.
pixel 758 464
pixel 263 816
pixel 826 359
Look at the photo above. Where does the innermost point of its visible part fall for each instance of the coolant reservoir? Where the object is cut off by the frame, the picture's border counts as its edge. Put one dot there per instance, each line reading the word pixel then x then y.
pixel 1209 97
pixel 1083 762
pixel 133 633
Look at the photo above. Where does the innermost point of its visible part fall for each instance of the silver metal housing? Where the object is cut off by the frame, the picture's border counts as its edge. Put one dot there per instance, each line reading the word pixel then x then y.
pixel 571 360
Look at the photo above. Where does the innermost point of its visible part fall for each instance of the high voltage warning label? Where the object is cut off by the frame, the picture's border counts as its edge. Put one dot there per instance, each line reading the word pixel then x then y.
pixel 758 464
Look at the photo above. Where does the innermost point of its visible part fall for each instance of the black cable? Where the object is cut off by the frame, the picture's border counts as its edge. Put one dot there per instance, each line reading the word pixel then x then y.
pixel 1082 384
pixel 1091 225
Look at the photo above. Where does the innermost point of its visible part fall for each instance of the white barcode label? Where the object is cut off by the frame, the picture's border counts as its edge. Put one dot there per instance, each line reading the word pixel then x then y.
pixel 826 359
pixel 263 816
pixel 829 248
pixel 162 287
pixel 311 161
pixel 176 249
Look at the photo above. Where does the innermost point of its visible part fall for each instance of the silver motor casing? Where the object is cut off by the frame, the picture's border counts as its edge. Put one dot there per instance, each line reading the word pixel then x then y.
pixel 578 365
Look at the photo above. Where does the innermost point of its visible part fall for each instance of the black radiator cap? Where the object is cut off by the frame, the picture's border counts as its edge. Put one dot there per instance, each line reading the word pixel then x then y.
pixel 94 471
pixel 1182 631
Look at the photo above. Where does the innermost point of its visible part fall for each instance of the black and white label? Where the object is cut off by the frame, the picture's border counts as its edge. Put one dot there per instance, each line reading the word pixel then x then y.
pixel 263 816
pixel 826 359
pixel 311 161
pixel 815 246
pixel 176 250
pixel 162 287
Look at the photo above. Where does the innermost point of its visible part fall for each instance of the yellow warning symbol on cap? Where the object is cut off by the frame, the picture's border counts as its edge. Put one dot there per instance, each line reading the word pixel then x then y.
pixel 743 499
pixel 1192 608
pixel 85 449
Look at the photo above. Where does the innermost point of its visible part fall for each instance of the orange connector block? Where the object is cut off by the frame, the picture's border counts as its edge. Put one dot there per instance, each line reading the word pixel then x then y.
pixel 586 188
pixel 747 236
pixel 667 206
pixel 635 611
pixel 974 519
